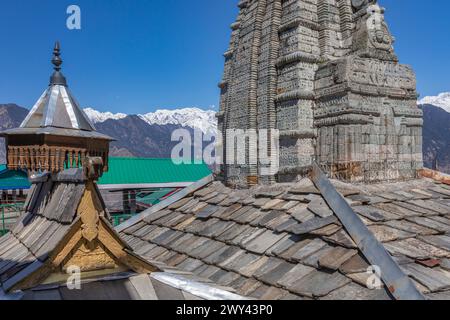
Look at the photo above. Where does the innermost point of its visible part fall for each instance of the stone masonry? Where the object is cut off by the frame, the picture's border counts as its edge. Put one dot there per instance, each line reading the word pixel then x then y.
pixel 324 73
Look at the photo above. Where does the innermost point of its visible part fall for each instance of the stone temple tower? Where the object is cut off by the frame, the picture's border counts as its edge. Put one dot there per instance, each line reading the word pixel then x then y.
pixel 323 73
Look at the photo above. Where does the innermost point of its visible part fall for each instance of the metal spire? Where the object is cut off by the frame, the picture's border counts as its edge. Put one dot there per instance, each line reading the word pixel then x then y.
pixel 57 78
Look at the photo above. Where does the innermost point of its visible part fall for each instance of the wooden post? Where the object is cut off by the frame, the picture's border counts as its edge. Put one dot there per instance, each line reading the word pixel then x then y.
pixel 125 202
pixel 133 205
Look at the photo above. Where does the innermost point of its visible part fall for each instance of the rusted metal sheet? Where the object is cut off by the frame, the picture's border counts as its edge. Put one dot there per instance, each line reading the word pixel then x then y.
pixel 398 283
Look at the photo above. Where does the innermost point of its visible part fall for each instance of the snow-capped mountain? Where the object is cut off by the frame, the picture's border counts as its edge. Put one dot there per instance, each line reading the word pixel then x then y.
pixel 204 120
pixel 442 101
pixel 99 117
pixel 194 118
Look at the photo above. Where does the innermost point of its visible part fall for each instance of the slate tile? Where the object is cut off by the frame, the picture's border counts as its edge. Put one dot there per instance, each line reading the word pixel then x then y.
pixel 440 219
pixel 189 205
pixel 156 232
pixel 286 225
pixel 230 277
pixel 295 197
pixel 386 234
pixel 179 203
pixel 311 225
pixel 231 259
pixel 195 226
pixel 268 217
pixel 250 269
pixel 260 292
pixel 356 264
pixel 216 228
pixel 263 242
pixel 320 208
pixel 319 284
pixel 415 249
pixel 397 210
pixel 375 214
pixel 275 223
pixel 242 261
pixel 249 286
pixel 285 243
pixel 312 247
pixel 185 223
pixel 177 220
pixel 354 291
pixel 229 200
pixel 444 296
pixel 304 190
pixel 176 259
pixel 442 242
pixel 364 200
pixel 207 211
pixel 289 253
pixel 228 211
pixel 276 274
pixel 247 235
pixel 204 191
pixel 163 220
pixel 209 196
pixel 303 215
pixel 222 255
pixel 272 203
pixel 274 294
pixel 412 207
pixel 271 264
pixel 336 258
pixel 433 279
pixel 313 260
pixel 129 230
pixel 217 199
pixel 206 249
pixel 249 216
pixel 260 202
pixel 197 208
pixel 343 239
pixel 269 194
pixel 208 272
pixel 431 205
pixel 445 264
pixel 327 231
pixel 411 227
pixel 295 274
pixel 189 264
pixel 155 252
pixel 232 233
pixel 429 223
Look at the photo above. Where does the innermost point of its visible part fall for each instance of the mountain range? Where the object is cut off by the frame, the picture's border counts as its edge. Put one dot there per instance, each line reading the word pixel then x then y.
pixel 149 135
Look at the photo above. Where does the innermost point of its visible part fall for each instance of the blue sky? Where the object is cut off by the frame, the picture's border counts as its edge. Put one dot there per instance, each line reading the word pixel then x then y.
pixel 139 55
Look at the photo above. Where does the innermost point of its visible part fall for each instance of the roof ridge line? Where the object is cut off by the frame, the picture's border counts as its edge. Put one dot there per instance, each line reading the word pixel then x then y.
pixel 398 283
pixel 164 204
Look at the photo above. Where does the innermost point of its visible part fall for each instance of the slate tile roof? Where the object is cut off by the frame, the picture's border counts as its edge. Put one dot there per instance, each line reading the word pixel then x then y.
pixel 51 211
pixel 284 242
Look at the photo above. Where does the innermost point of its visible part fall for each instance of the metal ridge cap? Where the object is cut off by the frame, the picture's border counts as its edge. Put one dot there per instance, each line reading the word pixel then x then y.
pixel 201 290
pixel 398 283
pixel 164 204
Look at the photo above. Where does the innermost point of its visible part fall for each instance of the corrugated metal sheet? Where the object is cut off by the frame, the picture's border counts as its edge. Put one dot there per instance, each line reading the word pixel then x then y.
pixel 144 171
pixel 125 171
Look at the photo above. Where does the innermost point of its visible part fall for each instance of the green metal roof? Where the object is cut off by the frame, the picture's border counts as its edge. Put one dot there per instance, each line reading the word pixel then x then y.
pixel 146 171
pixel 155 197
pixel 125 171
pixel 11 180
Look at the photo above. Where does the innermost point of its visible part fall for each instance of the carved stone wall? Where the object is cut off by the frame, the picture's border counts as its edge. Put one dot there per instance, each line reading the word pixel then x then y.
pixel 325 74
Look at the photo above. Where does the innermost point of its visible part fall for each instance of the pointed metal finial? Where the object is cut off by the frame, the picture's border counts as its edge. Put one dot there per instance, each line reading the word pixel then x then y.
pixel 57 78
pixel 57 61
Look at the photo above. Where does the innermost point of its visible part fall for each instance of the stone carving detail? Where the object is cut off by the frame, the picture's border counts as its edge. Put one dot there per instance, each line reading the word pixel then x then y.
pixel 323 72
